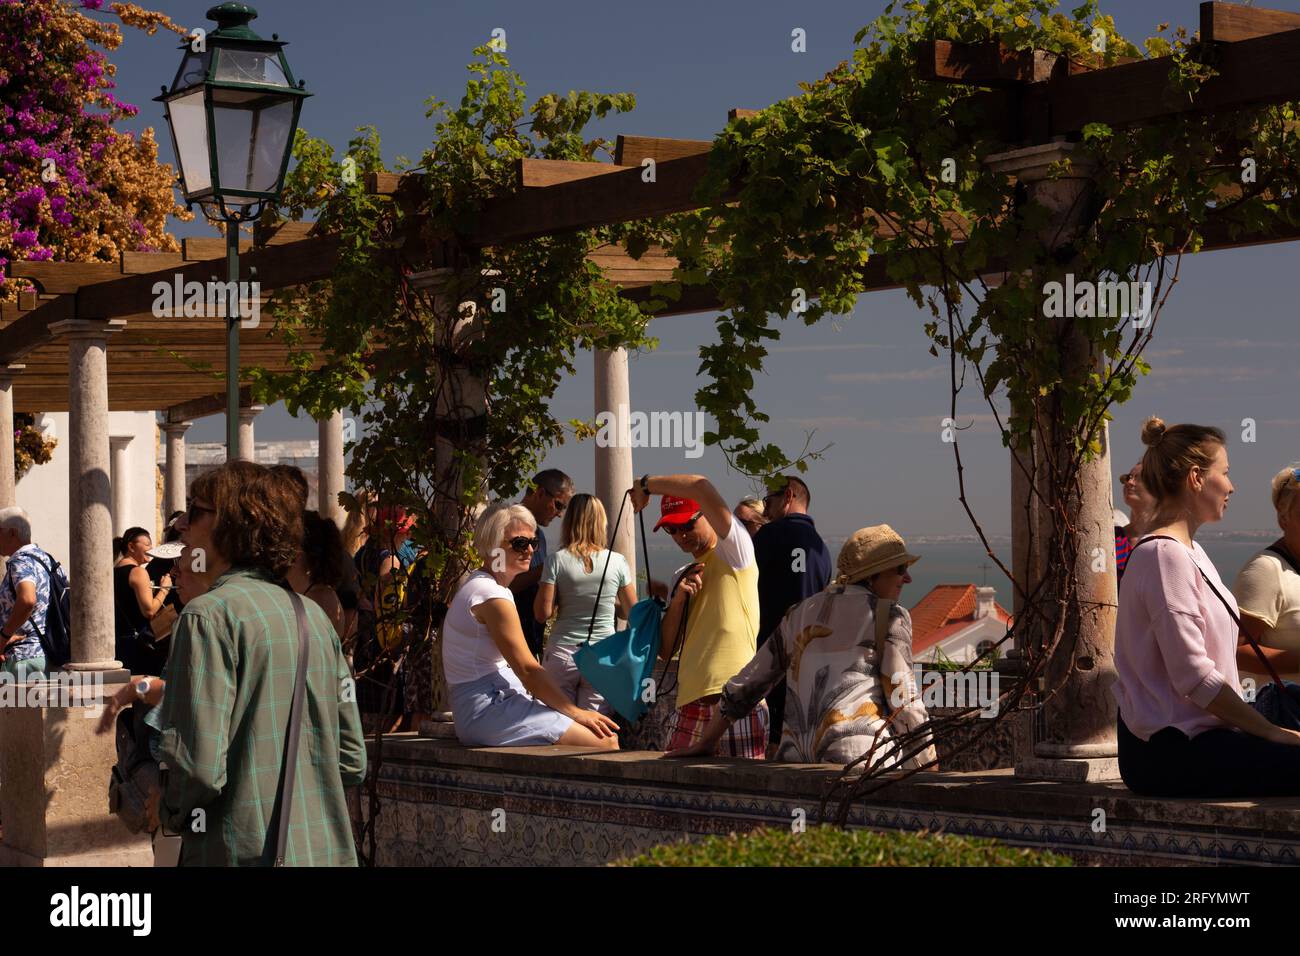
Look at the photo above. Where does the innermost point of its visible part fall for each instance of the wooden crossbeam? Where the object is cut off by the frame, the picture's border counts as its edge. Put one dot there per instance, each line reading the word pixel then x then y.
pixel 282 233
pixel 1252 72
pixel 295 263
pixel 537 173
pixel 993 65
pixel 587 203
pixel 202 407
pixel 635 150
pixel 133 263
pixel 982 64
pixel 54 278
pixel 1231 22
pixel 196 248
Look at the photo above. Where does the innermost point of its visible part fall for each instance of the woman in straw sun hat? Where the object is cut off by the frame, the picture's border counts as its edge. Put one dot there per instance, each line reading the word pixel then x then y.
pixel 846 654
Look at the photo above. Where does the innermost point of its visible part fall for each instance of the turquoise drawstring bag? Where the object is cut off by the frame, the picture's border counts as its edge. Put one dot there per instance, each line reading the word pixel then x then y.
pixel 621 666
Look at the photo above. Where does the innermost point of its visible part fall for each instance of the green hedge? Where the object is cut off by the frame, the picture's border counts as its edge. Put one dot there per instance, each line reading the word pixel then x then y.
pixel 831 846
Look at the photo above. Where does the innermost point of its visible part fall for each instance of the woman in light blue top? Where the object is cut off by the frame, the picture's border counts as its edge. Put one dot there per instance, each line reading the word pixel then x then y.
pixel 571 580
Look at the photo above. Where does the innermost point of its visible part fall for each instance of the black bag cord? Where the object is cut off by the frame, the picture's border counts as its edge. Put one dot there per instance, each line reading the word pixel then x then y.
pixel 1287 703
pixel 645 548
pixel 645 551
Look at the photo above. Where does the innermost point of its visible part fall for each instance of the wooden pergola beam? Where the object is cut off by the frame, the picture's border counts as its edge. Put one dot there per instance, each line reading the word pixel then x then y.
pixel 539 173
pixel 1252 72
pixel 635 150
pixel 202 407
pixel 1231 22
pixel 587 203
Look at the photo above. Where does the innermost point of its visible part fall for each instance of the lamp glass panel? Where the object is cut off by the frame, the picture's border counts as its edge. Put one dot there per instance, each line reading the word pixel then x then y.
pixel 250 66
pixel 189 124
pixel 251 143
pixel 194 69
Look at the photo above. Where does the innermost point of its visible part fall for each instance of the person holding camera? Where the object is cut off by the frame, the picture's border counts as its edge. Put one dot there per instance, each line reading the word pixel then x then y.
pixel 717 597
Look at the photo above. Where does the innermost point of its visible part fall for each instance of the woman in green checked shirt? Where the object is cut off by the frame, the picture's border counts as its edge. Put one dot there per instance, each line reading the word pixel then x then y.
pixel 230 682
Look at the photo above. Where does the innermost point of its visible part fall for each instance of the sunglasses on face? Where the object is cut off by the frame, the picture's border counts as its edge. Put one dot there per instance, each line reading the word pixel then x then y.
pixel 522 545
pixel 194 510
pixel 686 527
pixel 559 505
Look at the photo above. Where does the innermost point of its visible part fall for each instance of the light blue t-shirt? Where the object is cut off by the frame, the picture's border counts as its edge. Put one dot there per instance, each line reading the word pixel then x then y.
pixel 575 593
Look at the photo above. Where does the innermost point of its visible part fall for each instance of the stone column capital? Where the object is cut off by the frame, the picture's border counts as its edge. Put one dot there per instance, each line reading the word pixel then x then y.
pixel 87 328
pixel 1033 163
pixel 171 429
pixel 117 442
pixel 8 372
pixel 248 412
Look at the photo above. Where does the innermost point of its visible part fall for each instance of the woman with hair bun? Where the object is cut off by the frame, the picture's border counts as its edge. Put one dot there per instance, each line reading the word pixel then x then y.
pixel 1183 728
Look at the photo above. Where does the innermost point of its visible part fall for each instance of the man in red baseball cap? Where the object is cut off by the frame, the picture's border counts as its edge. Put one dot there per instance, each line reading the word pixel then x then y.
pixel 721 588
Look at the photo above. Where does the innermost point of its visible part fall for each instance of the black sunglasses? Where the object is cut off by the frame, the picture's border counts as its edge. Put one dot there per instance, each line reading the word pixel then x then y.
pixel 194 510
pixel 684 528
pixel 521 545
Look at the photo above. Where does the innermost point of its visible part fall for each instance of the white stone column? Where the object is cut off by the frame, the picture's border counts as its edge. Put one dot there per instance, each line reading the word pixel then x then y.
pixel 330 467
pixel 90 523
pixel 120 481
pixel 247 444
pixel 8 475
pixel 174 485
pixel 53 765
pixel 614 458
pixel 1076 738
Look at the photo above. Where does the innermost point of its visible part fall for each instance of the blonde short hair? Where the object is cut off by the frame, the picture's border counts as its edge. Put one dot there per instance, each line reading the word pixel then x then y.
pixel 1285 486
pixel 751 502
pixel 492 525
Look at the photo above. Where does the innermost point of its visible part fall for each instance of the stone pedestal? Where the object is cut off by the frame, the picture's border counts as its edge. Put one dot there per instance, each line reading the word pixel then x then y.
pixel 1074 736
pixel 54 802
pixel 614 460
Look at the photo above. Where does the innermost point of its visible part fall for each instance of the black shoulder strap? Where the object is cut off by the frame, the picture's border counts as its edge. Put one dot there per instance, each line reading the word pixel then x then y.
pixel 613 533
pixel 1284 555
pixel 284 794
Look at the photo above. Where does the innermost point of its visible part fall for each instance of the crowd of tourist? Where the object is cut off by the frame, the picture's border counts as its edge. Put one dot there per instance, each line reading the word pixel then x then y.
pixel 779 653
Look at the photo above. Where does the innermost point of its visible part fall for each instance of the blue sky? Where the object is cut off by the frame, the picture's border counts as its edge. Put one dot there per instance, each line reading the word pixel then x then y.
pixel 1224 348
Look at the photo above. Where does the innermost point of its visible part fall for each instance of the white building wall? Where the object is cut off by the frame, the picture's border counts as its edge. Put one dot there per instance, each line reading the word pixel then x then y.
pixel 43 491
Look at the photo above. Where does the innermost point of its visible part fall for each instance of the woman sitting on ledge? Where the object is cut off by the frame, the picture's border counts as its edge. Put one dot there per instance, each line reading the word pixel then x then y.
pixel 1184 729
pixel 492 676
pixel 840 691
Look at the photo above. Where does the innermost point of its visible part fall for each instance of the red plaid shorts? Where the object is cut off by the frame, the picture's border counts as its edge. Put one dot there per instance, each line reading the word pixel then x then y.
pixel 746 737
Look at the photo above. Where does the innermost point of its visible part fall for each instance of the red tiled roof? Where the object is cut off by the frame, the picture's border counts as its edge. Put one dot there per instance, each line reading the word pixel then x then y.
pixel 945 611
pixel 944 603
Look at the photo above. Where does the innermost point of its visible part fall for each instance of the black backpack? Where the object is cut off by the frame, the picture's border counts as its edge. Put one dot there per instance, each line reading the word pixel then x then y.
pixel 56 638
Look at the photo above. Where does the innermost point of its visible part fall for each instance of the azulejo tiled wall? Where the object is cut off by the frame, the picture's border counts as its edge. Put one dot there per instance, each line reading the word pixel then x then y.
pixel 446 805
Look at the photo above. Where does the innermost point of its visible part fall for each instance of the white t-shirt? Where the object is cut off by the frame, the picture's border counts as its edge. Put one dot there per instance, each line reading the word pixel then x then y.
pixel 1267 588
pixel 468 651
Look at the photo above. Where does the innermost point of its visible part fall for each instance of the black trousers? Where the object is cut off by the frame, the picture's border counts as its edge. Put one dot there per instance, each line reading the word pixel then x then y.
pixel 1214 763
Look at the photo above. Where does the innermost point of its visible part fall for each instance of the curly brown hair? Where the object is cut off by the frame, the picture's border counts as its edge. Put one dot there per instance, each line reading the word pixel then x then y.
pixel 258 520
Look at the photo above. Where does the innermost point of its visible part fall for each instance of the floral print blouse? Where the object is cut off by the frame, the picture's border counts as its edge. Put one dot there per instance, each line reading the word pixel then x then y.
pixel 837 706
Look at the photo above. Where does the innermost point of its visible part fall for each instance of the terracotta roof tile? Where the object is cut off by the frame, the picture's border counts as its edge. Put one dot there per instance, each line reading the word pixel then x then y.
pixel 944 603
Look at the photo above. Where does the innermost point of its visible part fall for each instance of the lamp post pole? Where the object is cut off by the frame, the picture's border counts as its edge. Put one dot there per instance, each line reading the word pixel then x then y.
pixel 232 342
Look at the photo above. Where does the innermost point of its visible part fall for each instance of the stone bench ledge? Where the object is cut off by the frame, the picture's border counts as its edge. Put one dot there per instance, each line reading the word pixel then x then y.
pixel 995 791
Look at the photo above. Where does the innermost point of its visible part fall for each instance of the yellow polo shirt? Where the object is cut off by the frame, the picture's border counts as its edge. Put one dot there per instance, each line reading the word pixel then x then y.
pixel 722 625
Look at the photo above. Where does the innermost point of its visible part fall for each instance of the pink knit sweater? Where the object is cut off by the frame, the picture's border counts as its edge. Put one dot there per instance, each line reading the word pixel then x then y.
pixel 1175 644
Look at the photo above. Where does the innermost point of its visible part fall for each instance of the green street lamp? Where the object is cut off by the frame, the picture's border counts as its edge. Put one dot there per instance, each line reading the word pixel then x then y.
pixel 233 111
